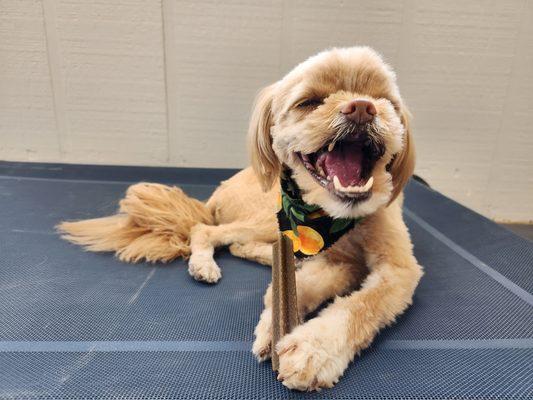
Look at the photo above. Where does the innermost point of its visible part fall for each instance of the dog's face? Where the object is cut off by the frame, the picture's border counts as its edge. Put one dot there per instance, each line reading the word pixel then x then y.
pixel 338 122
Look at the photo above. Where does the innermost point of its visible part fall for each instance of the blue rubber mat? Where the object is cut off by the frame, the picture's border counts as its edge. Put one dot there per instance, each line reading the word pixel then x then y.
pixel 82 325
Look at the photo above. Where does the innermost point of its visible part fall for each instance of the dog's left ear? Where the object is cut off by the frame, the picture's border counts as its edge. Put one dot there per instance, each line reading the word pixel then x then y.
pixel 403 164
pixel 265 163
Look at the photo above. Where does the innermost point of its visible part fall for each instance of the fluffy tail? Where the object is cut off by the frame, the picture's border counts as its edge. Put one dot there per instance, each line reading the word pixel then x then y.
pixel 153 224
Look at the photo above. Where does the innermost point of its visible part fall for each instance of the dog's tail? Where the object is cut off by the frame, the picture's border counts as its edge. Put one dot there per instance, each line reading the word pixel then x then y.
pixel 153 224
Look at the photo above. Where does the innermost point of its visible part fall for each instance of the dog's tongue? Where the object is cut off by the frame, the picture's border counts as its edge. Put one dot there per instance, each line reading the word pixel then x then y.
pixel 346 162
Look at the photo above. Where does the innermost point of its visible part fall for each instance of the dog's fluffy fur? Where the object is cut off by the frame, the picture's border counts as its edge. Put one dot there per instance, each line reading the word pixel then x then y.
pixel 370 272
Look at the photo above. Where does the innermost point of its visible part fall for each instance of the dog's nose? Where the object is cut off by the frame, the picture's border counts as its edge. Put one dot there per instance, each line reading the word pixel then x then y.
pixel 359 111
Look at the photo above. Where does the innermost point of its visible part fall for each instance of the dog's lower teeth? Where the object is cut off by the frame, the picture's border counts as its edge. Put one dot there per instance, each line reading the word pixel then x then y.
pixel 331 146
pixel 353 189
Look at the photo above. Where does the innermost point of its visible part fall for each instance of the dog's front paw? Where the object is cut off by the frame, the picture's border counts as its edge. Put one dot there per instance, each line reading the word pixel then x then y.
pixel 203 268
pixel 313 356
pixel 263 336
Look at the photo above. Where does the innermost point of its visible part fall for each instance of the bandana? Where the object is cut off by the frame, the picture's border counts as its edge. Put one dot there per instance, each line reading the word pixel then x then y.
pixel 307 225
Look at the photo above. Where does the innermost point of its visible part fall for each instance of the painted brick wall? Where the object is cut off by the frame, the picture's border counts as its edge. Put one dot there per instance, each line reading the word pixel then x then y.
pixel 147 82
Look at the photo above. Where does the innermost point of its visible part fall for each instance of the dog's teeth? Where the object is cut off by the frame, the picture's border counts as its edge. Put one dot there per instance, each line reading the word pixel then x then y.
pixel 337 183
pixel 368 184
pixel 331 146
pixel 352 189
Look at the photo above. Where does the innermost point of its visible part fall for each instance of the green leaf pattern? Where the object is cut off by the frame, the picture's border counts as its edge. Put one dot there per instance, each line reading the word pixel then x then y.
pixel 297 213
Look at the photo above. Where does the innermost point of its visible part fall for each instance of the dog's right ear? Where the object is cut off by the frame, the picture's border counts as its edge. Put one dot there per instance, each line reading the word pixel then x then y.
pixel 264 161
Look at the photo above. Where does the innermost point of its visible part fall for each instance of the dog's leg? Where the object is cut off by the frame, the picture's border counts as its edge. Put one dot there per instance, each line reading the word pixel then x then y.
pixel 316 353
pixel 205 238
pixel 254 251
pixel 316 282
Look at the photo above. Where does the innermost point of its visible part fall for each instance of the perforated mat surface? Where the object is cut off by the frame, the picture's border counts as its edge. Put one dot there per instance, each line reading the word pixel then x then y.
pixel 81 325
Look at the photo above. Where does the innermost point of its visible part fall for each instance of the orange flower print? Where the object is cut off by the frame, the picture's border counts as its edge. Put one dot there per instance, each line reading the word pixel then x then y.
pixel 296 244
pixel 308 241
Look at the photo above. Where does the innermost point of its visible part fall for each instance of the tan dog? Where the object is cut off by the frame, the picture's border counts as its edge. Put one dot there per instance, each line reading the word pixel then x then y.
pixel 338 122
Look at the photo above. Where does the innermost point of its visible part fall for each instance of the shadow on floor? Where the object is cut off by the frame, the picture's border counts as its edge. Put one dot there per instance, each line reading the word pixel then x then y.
pixel 524 230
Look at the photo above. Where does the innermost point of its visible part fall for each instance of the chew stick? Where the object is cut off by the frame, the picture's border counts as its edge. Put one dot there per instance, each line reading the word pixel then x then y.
pixel 284 305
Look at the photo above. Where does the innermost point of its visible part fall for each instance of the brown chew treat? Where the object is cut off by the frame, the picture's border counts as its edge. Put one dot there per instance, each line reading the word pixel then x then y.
pixel 284 305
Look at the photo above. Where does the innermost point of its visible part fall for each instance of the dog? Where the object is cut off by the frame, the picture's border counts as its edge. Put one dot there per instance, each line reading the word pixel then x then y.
pixel 338 125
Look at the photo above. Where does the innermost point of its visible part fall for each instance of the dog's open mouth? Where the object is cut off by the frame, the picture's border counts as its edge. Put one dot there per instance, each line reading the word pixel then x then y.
pixel 345 167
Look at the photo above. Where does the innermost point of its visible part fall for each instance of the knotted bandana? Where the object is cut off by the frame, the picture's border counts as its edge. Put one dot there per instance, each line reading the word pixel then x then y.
pixel 307 225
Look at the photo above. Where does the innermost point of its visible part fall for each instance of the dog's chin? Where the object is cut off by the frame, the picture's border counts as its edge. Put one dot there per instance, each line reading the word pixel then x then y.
pixel 347 178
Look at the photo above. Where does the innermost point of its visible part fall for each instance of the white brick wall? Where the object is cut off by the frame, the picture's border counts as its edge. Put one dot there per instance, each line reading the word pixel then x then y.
pixel 171 82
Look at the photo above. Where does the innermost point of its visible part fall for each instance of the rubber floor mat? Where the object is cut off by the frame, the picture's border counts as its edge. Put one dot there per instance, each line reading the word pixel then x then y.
pixel 77 325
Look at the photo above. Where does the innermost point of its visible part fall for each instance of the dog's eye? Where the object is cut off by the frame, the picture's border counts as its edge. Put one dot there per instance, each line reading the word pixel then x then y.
pixel 315 102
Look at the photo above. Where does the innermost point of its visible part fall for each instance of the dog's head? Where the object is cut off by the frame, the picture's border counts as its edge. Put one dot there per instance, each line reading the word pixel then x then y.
pixel 338 122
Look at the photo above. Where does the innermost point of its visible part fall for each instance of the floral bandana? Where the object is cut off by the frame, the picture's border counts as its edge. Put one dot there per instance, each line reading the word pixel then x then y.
pixel 307 225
